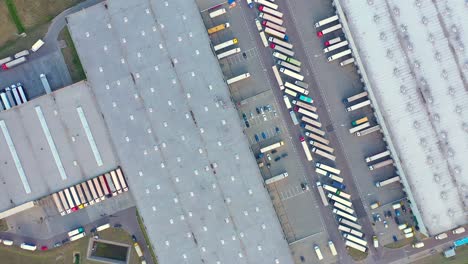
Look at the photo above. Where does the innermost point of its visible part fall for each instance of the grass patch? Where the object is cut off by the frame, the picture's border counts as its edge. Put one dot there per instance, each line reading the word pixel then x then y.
pixel 7 27
pixel 110 251
pixel 38 12
pixel 400 243
pixel 357 255
pixel 147 240
pixel 70 55
pixel 460 258
pixel 15 16
pixel 3 225
pixel 65 253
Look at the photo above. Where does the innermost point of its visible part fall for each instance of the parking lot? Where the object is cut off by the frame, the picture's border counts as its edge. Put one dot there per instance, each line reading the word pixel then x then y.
pixel 333 84
pixel 51 64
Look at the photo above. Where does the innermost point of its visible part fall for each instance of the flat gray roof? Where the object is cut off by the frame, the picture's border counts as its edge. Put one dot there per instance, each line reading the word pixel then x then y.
pixel 45 146
pixel 417 69
pixel 177 133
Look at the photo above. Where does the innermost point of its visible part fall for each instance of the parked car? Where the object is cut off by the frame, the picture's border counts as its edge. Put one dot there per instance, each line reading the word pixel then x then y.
pixel 385 223
pixel 403 208
pixel 277 158
pixel 118 226
pixel 258 110
pixel 304 186
pixel 256 138
pixel 264 136
pixel 395 239
pixel 44 248
pixel 244 116
pixel 134 238
pixel 397 212
pixel 274 151
pixel 389 213
pixel 247 124
pixel 284 155
pixel 58 244
pixel 277 130
pixel 418 245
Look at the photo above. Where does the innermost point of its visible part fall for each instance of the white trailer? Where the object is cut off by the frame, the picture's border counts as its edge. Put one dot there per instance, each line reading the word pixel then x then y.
pixel 305 112
pixel 24 99
pixel 238 78
pixel 344 215
pixel 323 154
pixel 322 194
pixel 336 198
pixel 5 60
pixel 36 46
pixel 343 208
pixel 21 54
pixel 271 18
pixel 289 66
pixel 381 164
pixel 387 181
pixel 226 44
pixel 280 42
pixel 349 223
pixel 355 97
pixel 359 127
pixel 274 26
pixel 358 105
pixel 292 74
pixel 322 146
pixel 336 46
pixel 228 53
pixel 318 138
pixel 296 88
pixel 310 121
pixel 276 33
pixel 278 77
pixel 378 156
pixel 346 62
pixel 368 131
pixel 355 239
pixel 302 84
pixel 286 102
pixel 45 83
pixel 326 21
pixel 270 11
pixel 217 13
pixel 279 55
pixel 276 178
pixel 263 38
pixel 290 92
pixel 282 49
pixel 327 168
pixel 339 55
pixel 272 147
pixel 305 147
pixel 328 30
pixel 267 3
pixel 355 246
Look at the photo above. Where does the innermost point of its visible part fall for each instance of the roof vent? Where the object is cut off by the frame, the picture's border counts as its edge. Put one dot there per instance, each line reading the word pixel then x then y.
pixel 370 2
pixel 444 74
pixel 437 178
pixel 436 117
pixel 450 152
pixel 396 11
pixel 454 29
pixel 430 38
pixel 458 109
pixel 409 107
pixel 403 89
pixel 443 195
pixel 424 20
pixel 376 18
pixel 423 142
pixel 389 53
pixel 416 124
pixel 438 56
pixel 417 3
pixel 429 160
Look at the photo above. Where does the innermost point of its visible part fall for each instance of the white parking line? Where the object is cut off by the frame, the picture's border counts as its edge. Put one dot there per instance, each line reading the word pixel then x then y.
pixel 291 193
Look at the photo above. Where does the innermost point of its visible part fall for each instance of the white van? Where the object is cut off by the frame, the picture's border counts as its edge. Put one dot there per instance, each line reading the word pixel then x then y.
pixel 332 248
pixel 441 236
pixel 418 245
pixel 458 230
pixel 376 241
pixel 318 252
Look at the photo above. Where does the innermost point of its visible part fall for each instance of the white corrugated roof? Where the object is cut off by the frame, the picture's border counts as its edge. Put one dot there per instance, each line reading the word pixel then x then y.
pixel 414 59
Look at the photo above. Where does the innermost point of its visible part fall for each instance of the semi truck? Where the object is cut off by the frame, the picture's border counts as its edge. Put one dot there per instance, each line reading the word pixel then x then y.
pixel 301 84
pixel 217 13
pixel 271 18
pixel 328 30
pixel 263 38
pixel 358 105
pixel 339 55
pixel 292 74
pixel 289 66
pixel 359 127
pixel 280 42
pixel 21 54
pixel 310 121
pixel 45 83
pixel 238 78
pixel 14 63
pixel 276 33
pixel 327 168
pixel 378 156
pixel 326 21
pixel 323 154
pixel 228 53
pixel 359 121
pixel 322 193
pixel 272 147
pixel 305 147
pixel 296 88
pixel 280 55
pixel 278 77
pixel 313 129
pixel 270 11
pixel 218 28
pixel 347 61
pixel 276 178
pixel 282 49
pixel 304 105
pixel 36 46
pixel 306 99
pixel 226 44
pixel 321 146
pixel 306 112
pixel 317 138
pixel 381 164
pixel 387 181
pixel 291 92
pixel 368 131
pixel 336 46
pixel 286 102
pixel 274 26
